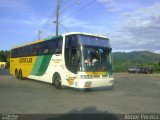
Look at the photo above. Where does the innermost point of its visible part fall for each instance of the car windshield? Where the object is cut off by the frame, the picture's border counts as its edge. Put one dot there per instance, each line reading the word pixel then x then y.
pixel 96 59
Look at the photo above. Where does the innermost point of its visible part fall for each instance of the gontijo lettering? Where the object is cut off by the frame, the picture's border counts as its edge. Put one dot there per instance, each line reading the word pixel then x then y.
pixel 25 60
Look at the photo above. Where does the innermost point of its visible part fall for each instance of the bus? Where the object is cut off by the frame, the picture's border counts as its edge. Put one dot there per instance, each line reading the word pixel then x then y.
pixel 75 59
pixel 3 65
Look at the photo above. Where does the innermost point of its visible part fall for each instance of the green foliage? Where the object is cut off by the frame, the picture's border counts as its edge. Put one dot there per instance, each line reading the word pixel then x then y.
pixel 122 60
pixel 4 55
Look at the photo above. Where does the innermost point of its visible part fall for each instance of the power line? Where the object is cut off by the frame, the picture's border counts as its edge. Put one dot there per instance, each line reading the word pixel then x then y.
pixel 53 13
pixel 81 9
pixel 69 6
pixel 52 16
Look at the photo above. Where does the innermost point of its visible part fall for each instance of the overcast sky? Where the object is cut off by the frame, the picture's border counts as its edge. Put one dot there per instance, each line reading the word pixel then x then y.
pixel 129 24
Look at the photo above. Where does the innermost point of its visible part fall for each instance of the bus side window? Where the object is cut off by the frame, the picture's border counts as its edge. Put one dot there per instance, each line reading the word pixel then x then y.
pixel 36 49
pixel 27 51
pixel 58 45
pixel 51 46
pixel 23 52
pixel 16 52
pixel 45 49
pixel 20 52
pixel 13 53
pixel 31 50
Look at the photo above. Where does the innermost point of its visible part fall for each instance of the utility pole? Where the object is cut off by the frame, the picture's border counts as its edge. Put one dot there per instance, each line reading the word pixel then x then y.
pixel 58 13
pixel 57 16
pixel 39 34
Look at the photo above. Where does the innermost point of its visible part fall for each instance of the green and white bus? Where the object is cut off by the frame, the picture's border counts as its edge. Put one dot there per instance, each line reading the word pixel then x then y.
pixel 78 60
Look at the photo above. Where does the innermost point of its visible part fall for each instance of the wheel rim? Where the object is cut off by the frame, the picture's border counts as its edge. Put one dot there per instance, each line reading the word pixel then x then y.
pixel 57 83
pixel 20 75
pixel 16 74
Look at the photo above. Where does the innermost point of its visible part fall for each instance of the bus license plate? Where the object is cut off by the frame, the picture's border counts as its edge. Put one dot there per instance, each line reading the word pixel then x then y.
pixel 88 84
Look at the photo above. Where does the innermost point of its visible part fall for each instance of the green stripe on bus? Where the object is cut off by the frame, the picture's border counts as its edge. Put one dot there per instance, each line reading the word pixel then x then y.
pixel 37 65
pixel 41 65
pixel 44 65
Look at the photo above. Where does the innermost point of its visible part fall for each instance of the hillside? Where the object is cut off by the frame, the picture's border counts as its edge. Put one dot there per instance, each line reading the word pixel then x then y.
pixel 124 60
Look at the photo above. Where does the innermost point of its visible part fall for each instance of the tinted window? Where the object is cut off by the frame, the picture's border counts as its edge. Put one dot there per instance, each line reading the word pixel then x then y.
pixel 41 48
pixel 94 41
pixel 71 45
pixel 71 41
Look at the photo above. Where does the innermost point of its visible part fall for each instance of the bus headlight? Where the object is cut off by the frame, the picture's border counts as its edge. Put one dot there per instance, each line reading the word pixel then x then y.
pixel 110 76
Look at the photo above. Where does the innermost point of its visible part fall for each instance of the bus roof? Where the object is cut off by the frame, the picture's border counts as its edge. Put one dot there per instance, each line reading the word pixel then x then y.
pixel 82 33
pixel 64 34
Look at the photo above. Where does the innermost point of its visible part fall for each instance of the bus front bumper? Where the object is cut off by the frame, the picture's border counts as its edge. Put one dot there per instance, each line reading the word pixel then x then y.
pixel 94 83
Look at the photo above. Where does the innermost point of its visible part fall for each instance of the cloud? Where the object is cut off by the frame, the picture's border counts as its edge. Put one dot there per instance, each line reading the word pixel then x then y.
pixel 109 4
pixel 138 30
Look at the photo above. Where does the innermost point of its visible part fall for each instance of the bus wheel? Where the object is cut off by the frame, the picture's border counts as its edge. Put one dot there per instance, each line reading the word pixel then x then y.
pixel 20 75
pixel 16 74
pixel 57 82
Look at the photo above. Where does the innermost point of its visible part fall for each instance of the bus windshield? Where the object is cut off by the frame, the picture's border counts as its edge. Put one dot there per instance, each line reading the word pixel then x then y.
pixel 87 54
pixel 96 59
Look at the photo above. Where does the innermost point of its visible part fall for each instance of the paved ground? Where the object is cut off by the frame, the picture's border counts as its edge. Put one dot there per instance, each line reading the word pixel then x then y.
pixel 133 93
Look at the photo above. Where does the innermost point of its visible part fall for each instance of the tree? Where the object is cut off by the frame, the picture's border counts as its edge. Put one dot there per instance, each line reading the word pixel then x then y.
pixel 4 55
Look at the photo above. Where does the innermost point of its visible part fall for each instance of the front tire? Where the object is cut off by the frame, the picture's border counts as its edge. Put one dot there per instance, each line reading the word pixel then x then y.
pixel 57 82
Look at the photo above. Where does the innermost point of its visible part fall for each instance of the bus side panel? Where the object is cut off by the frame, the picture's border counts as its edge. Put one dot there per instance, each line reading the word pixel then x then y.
pixel 48 66
pixel 41 65
pixel 24 63
pixel 12 68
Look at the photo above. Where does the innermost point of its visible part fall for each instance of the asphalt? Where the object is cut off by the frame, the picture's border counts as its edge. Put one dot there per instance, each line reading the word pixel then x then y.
pixel 132 93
